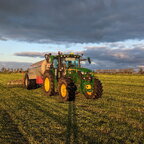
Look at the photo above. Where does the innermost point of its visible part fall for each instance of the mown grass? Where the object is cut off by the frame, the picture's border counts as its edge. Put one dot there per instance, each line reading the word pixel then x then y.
pixel 28 116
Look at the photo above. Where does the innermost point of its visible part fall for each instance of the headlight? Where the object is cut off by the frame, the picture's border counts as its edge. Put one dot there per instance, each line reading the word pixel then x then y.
pixel 83 73
pixel 89 78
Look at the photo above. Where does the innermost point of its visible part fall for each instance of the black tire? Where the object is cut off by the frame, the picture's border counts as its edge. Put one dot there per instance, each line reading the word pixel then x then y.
pixel 69 91
pixel 29 83
pixel 97 90
pixel 48 88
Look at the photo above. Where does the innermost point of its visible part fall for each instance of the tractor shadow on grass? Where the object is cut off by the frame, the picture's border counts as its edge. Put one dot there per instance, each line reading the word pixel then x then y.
pixel 72 129
pixel 9 132
pixel 73 134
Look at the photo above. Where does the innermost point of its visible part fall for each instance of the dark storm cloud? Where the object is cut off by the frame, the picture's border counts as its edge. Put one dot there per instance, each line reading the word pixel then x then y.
pixel 30 54
pixel 117 55
pixel 105 58
pixel 71 20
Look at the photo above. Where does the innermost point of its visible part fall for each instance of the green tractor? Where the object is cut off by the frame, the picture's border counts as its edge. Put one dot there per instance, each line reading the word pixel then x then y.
pixel 63 73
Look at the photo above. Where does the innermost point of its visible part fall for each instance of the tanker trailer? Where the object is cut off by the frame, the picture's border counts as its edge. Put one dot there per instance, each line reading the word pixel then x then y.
pixel 34 75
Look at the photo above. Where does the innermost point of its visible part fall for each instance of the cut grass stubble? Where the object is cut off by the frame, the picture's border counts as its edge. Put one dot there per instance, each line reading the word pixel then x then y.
pixel 27 116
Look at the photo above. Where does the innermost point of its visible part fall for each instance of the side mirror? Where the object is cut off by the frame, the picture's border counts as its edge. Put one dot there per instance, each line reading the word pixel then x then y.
pixel 55 63
pixel 89 60
pixel 46 56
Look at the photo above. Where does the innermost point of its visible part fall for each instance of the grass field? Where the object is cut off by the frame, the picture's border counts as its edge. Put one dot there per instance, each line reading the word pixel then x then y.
pixel 30 117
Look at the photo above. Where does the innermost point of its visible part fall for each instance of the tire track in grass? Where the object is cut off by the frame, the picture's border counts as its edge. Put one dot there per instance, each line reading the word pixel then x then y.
pixel 89 114
pixel 125 89
pixel 113 96
pixel 88 118
pixel 129 111
pixel 49 105
pixel 115 106
pixel 49 101
pixel 118 110
pixel 69 125
pixel 125 94
pixel 28 93
pixel 61 121
pixel 125 84
pixel 8 106
pixel 29 124
pixel 20 95
pixel 32 104
pixel 136 113
pixel 113 103
pixel 10 132
pixel 54 117
pixel 121 117
pixel 105 123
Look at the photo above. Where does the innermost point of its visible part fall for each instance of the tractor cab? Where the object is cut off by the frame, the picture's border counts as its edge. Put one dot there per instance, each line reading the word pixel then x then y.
pixel 70 61
pixel 65 60
pixel 65 64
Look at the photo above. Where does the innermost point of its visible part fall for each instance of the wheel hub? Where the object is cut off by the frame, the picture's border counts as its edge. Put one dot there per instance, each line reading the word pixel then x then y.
pixel 88 88
pixel 63 90
pixel 47 84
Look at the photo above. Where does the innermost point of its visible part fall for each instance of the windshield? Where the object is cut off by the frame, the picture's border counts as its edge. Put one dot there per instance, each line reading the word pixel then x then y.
pixel 71 62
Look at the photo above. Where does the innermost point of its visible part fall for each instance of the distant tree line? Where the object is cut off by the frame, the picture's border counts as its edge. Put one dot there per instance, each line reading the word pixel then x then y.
pixel 121 71
pixel 104 71
pixel 11 70
pixel 141 71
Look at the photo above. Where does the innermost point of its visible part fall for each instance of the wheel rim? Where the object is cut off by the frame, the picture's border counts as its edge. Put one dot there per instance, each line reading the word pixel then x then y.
pixel 47 84
pixel 26 82
pixel 63 90
pixel 88 87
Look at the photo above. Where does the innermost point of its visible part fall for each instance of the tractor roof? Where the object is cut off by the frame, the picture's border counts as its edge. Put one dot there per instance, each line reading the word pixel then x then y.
pixel 70 55
pixel 66 55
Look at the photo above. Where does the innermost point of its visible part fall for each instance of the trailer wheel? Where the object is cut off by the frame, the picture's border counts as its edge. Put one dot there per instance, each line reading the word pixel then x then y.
pixel 66 89
pixel 48 84
pixel 29 83
pixel 96 90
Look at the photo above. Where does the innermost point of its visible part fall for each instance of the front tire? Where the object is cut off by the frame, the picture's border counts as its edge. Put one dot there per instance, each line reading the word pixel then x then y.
pixel 48 84
pixel 96 92
pixel 66 89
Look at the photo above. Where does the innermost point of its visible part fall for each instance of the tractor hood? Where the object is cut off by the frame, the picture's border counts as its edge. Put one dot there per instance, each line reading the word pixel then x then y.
pixel 83 69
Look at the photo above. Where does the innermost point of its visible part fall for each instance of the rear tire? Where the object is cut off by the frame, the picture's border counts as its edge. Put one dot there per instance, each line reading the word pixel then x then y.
pixel 29 83
pixel 48 84
pixel 66 89
pixel 97 90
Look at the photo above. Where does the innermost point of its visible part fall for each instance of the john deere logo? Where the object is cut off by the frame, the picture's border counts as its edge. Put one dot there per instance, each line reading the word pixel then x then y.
pixel 88 87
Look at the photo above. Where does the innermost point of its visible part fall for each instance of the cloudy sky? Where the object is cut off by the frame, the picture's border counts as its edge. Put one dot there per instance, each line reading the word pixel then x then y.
pixel 111 32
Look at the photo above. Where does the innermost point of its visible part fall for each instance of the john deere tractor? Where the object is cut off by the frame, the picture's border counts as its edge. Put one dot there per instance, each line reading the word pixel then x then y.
pixel 63 73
